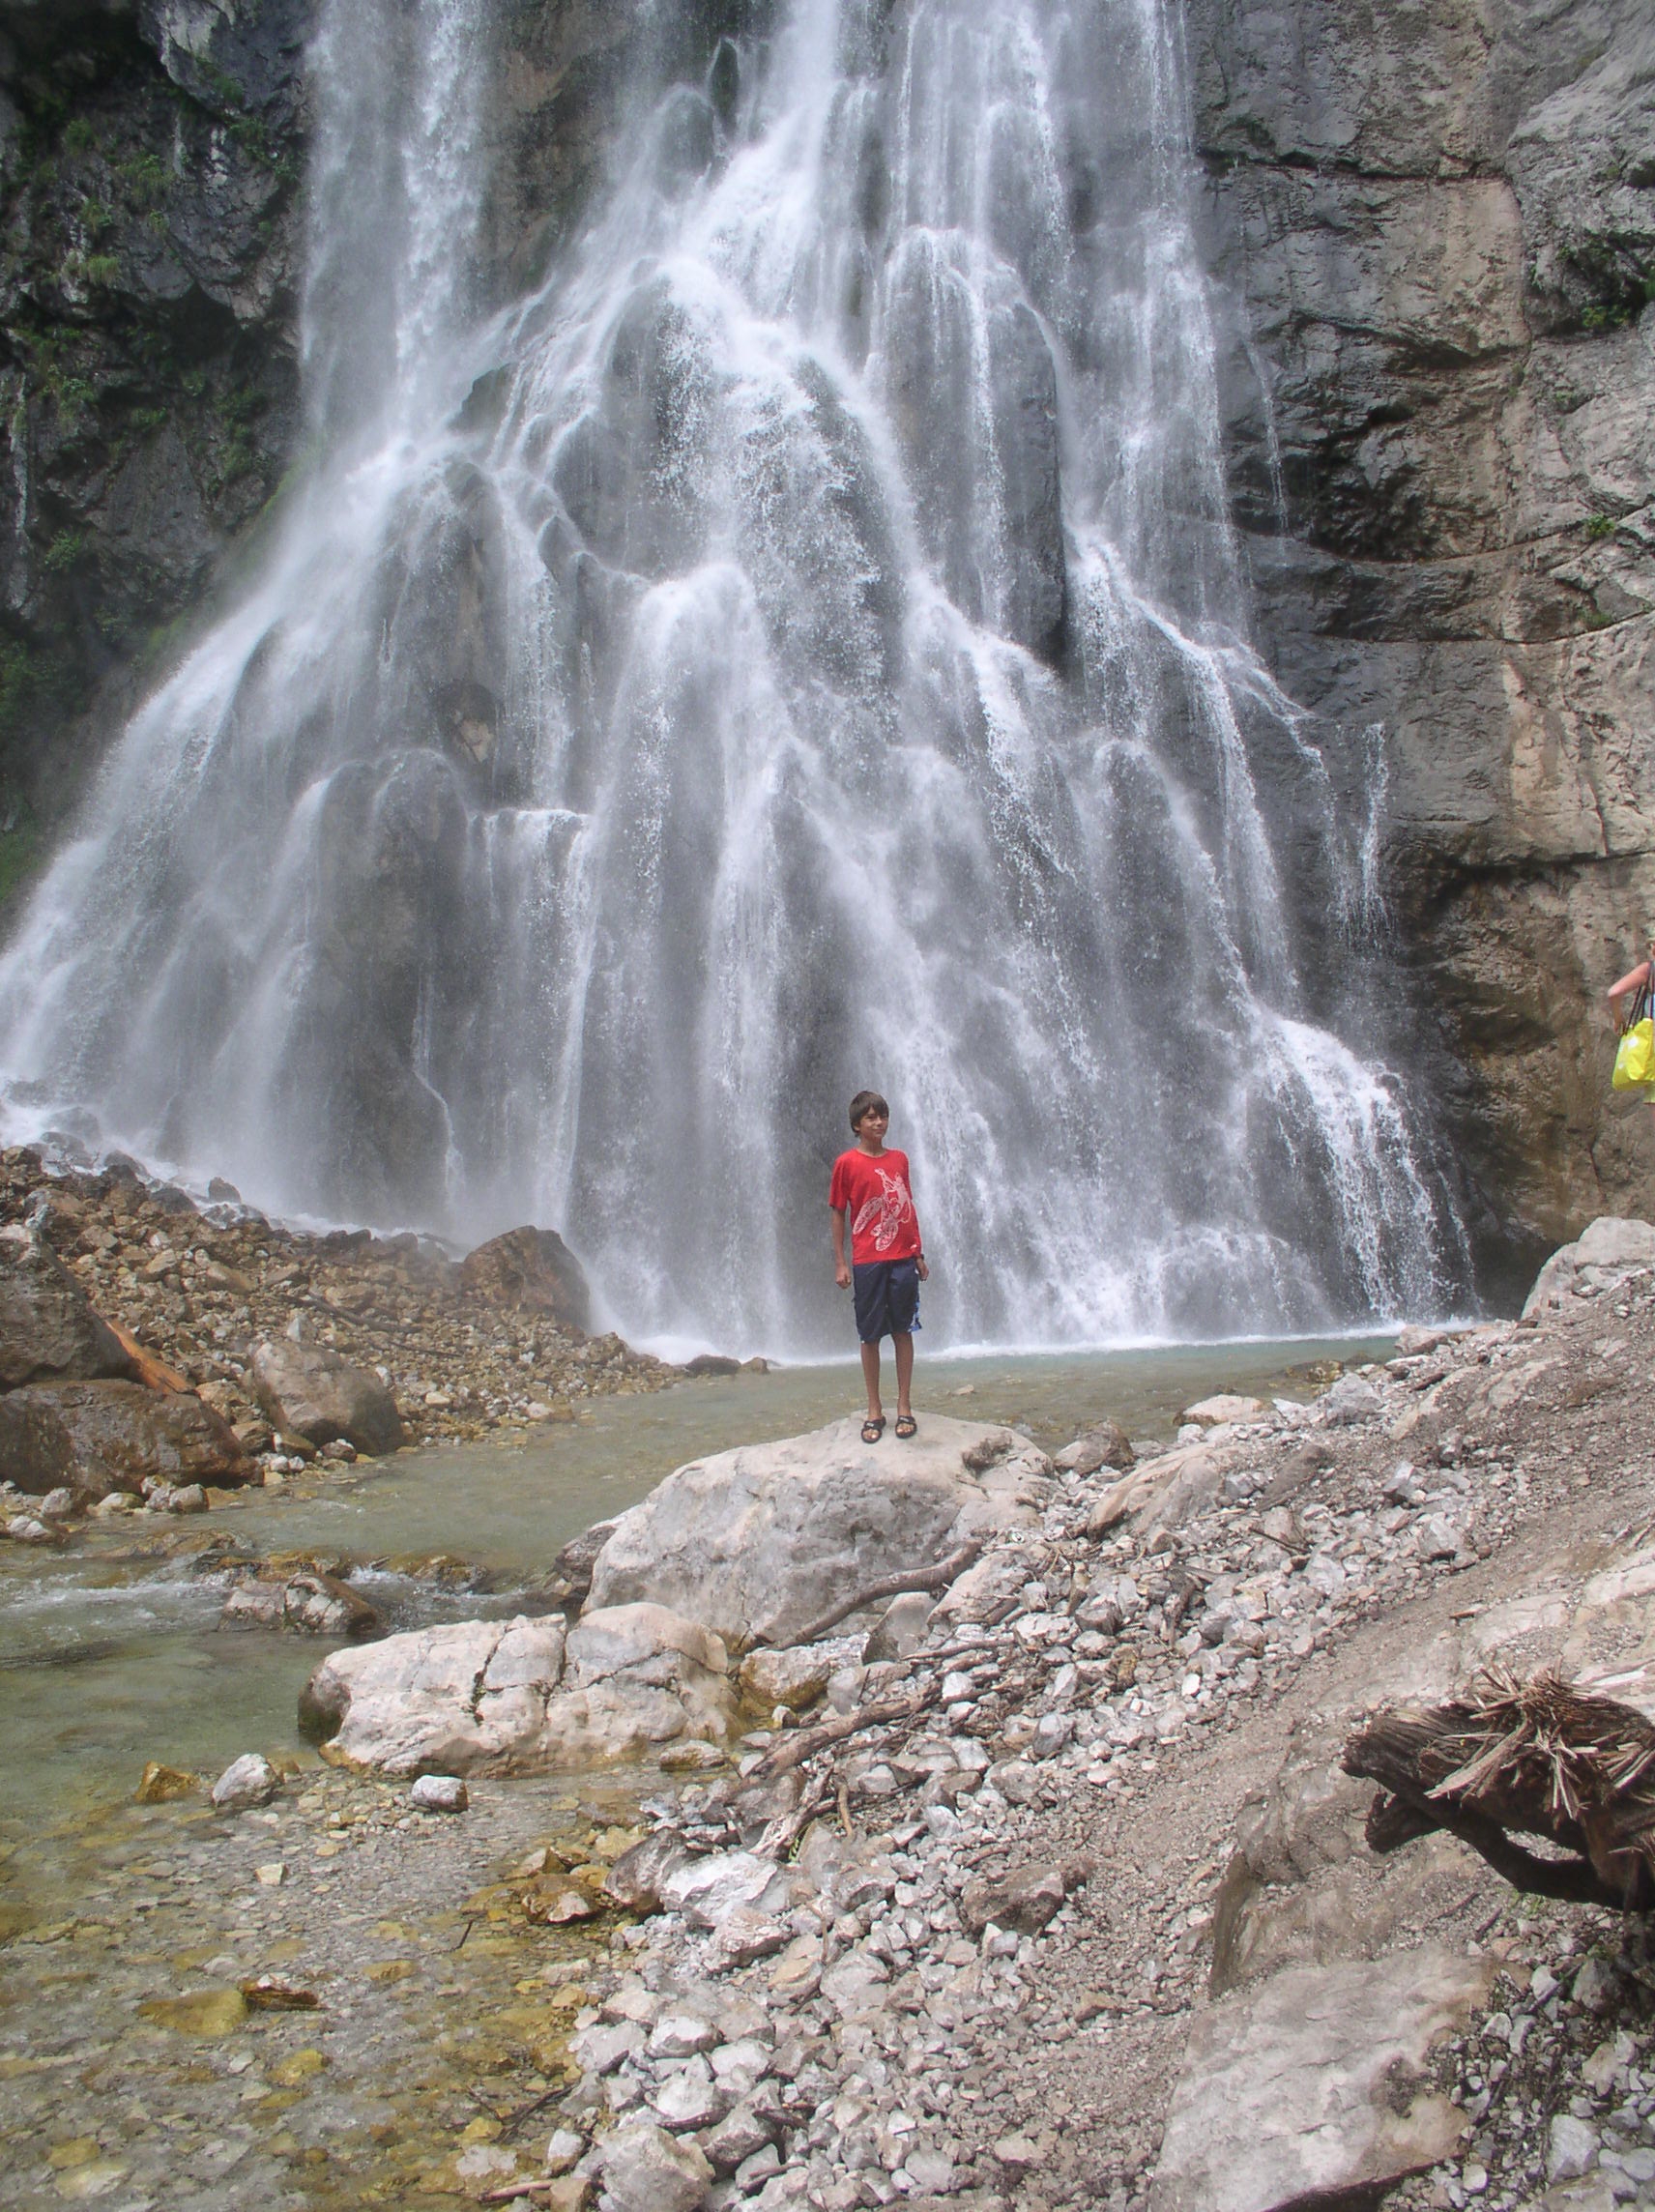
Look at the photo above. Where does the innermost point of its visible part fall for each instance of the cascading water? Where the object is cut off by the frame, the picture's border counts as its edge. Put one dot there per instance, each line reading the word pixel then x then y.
pixel 800 646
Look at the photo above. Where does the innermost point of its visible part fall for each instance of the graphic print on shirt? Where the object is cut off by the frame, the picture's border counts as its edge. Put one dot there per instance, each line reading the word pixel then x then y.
pixel 886 1214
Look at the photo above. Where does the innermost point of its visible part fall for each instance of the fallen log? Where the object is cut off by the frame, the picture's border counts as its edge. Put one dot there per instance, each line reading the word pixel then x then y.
pixel 1535 1757
pixel 793 1749
pixel 152 1371
pixel 911 1579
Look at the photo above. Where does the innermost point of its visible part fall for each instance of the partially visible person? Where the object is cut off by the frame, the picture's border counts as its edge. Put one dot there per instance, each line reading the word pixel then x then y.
pixel 887 1261
pixel 1635 981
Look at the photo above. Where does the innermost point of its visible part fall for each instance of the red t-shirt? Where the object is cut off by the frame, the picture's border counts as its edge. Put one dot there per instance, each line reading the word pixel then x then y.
pixel 874 1185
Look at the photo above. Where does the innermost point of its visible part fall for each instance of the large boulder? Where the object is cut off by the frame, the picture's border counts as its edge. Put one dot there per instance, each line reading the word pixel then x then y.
pixel 1606 1251
pixel 307 1391
pixel 1311 2088
pixel 534 1271
pixel 512 1697
pixel 48 1329
pixel 761 1541
pixel 105 1436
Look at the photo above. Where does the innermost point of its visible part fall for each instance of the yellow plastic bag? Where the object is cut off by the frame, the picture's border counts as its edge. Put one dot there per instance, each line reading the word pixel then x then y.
pixel 1635 1058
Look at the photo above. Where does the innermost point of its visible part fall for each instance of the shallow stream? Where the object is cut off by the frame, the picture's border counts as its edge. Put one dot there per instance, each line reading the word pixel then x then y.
pixel 125 2060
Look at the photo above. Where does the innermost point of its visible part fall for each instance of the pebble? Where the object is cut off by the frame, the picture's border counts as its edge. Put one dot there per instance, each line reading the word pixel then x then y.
pixel 440 1794
pixel 247 1782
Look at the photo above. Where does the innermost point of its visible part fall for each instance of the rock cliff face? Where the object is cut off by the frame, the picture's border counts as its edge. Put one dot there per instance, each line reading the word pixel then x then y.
pixel 1433 234
pixel 150 156
pixel 151 251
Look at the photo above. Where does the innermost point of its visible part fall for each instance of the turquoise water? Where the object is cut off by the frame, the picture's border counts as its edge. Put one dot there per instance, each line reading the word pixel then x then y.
pixel 110 1656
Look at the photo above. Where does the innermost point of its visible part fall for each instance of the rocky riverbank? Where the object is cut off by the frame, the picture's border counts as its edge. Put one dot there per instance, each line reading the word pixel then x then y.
pixel 466 1348
pixel 1041 1886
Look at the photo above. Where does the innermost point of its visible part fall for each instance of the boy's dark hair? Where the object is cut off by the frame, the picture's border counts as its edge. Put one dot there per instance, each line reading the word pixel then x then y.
pixel 866 1102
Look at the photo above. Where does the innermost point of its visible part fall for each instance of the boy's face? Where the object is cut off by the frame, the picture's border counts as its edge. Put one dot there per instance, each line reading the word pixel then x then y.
pixel 871 1128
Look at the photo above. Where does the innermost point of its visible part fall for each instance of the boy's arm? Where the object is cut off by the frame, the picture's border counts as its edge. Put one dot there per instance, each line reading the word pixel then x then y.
pixel 1627 982
pixel 841 1273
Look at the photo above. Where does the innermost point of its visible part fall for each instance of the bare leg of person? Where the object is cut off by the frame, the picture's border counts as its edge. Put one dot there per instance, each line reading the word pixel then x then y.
pixel 870 1376
pixel 903 1347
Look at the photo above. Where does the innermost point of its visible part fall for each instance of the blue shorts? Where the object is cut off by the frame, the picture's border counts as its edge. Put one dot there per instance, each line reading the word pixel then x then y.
pixel 887 1293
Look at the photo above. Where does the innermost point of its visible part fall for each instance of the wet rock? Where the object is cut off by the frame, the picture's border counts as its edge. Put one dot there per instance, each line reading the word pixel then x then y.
pixel 311 1604
pixel 309 1392
pixel 247 1780
pixel 514 1697
pixel 1107 1445
pixel 534 1271
pixel 1226 1407
pixel 162 1784
pixel 438 1793
pixel 466 1698
pixel 761 1541
pixel 101 1437
pixel 643 2168
pixel 573 1564
pixel 1312 2086
pixel 205 2013
pixel 48 1329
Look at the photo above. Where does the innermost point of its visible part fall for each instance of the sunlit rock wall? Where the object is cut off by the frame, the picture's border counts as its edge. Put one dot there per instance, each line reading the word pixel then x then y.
pixel 1432 228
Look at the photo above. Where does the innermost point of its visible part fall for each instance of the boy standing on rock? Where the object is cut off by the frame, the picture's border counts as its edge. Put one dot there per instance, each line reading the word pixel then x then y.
pixel 870 1184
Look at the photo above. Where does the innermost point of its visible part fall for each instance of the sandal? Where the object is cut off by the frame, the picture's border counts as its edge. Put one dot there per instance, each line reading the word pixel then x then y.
pixel 873 1430
pixel 907 1426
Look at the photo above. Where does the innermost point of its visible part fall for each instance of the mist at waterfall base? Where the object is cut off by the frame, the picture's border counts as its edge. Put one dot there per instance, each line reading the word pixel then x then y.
pixel 800 646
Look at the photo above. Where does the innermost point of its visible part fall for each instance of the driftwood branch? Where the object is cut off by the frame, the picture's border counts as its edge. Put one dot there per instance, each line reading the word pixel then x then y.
pixel 1537 1758
pixel 794 1750
pixel 785 1830
pixel 936 1578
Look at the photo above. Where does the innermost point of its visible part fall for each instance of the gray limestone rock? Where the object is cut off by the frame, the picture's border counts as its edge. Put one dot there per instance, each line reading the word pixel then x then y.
pixel 314 1393
pixel 1105 1445
pixel 644 2168
pixel 1606 1249
pixel 1432 239
pixel 759 1541
pixel 247 1780
pixel 519 1696
pixel 48 1330
pixel 1312 2087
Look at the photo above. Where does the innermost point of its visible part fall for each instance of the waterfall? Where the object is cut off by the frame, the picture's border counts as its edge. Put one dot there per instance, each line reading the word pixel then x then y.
pixel 800 646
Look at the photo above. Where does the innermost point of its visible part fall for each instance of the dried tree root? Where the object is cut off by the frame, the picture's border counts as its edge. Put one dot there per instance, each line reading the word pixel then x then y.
pixel 1539 1757
pixel 936 1578
pixel 793 1750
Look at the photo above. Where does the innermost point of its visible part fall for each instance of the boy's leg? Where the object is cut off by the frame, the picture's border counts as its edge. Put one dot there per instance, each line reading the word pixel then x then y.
pixel 902 1344
pixel 870 1376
